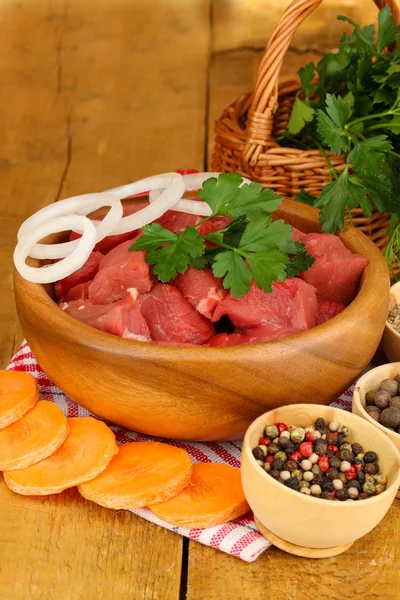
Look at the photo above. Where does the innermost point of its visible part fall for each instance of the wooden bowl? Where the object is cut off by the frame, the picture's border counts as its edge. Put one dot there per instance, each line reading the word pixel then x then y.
pixel 208 393
pixel 306 521
pixel 391 337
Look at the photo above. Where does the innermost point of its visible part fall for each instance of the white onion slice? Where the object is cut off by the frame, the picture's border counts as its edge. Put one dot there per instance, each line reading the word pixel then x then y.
pixel 84 204
pixel 193 182
pixel 173 188
pixel 68 265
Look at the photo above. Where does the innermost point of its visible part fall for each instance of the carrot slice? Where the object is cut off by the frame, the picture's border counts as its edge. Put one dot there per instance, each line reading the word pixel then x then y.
pixel 39 433
pixel 87 450
pixel 213 496
pixel 142 473
pixel 18 394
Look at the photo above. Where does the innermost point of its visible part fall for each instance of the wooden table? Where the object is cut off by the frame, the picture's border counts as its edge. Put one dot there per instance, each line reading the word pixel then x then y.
pixel 93 95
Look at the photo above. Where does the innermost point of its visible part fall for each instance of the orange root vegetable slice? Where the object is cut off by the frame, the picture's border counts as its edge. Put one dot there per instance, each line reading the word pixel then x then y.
pixel 213 496
pixel 86 452
pixel 18 394
pixel 142 473
pixel 39 433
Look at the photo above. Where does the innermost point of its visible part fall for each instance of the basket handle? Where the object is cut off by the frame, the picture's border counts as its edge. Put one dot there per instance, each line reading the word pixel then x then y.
pixel 265 96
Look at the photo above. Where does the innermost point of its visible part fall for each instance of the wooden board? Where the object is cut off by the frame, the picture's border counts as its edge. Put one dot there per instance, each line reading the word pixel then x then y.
pixel 93 95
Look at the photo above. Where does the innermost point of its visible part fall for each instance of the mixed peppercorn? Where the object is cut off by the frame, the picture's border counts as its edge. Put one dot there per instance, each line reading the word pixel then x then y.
pixel 318 461
pixel 383 404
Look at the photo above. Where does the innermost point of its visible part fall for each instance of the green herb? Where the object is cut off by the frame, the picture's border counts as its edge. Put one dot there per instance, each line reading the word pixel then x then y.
pixel 363 122
pixel 251 246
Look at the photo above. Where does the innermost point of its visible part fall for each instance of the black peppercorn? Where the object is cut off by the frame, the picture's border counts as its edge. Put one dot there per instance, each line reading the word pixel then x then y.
pixel 360 476
pixel 290 465
pixel 283 443
pixel 326 485
pixel 326 496
pixel 342 494
pixel 318 478
pixel 292 483
pixel 363 496
pixel 329 453
pixel 334 462
pixel 321 446
pixel 319 423
pixel 258 453
pixel 332 473
pixel 345 454
pixel 357 449
pixel 354 483
pixel 340 439
pixel 331 438
pixel 371 469
pixel 290 448
pixel 358 461
pixel 277 464
pixel 275 474
pixel 370 457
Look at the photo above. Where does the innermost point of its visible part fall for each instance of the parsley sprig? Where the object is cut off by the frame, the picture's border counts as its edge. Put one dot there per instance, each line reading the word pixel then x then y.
pixel 363 122
pixel 251 246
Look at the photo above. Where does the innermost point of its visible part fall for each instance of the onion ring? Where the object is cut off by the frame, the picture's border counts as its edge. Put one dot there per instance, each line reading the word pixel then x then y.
pixel 68 265
pixel 83 205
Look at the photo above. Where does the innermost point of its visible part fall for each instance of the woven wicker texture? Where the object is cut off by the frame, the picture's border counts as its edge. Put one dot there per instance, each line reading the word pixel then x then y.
pixel 245 133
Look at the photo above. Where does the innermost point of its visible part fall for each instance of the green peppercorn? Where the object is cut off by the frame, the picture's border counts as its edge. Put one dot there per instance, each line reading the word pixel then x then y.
pixel 345 430
pixel 332 473
pixel 369 488
pixel 380 479
pixel 379 488
pixel 273 448
pixel 305 490
pixel 305 484
pixel 281 455
pixel 346 446
pixel 271 431
pixel 316 470
pixel 334 462
pixel 297 435
pixel 297 474
pixel 342 495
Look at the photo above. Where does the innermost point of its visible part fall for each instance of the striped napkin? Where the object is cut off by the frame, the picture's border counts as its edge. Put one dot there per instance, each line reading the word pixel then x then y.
pixel 239 538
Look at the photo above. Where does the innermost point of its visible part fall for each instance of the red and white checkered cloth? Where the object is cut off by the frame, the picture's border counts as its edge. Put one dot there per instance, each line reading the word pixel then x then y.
pixel 239 538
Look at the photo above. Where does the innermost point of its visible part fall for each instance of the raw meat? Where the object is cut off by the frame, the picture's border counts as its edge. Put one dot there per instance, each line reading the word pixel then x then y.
pixel 171 318
pixel 328 309
pixel 79 292
pixel 213 224
pixel 177 221
pixel 298 235
pixel 111 241
pixel 264 333
pixel 337 271
pixel 123 318
pixel 201 289
pixel 82 275
pixel 119 271
pixel 292 303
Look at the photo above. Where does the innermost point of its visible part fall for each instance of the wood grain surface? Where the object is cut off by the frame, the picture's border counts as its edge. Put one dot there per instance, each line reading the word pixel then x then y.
pixel 92 95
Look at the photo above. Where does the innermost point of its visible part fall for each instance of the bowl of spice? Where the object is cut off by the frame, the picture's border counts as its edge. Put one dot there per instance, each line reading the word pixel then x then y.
pixel 391 335
pixel 317 478
pixel 376 399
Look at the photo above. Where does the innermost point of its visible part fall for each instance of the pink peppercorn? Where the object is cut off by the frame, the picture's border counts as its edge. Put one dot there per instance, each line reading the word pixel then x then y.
pixel 309 437
pixel 264 441
pixel 281 427
pixel 333 448
pixel 351 473
pixel 296 456
pixel 323 463
pixel 269 458
pixel 306 449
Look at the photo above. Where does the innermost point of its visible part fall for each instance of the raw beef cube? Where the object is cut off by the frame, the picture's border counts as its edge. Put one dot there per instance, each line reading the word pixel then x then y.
pixel 111 241
pixel 298 235
pixel 264 333
pixel 328 309
pixel 290 303
pixel 171 318
pixel 82 275
pixel 201 289
pixel 214 224
pixel 177 221
pixel 122 318
pixel 79 292
pixel 125 319
pixel 337 271
pixel 119 271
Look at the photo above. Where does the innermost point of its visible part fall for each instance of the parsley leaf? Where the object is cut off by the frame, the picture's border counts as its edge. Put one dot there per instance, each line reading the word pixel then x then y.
pixel 331 125
pixel 219 192
pixel 368 155
pixel 387 32
pixel 268 267
pixel 307 74
pixel 154 236
pixel 254 202
pixel 301 262
pixel 305 197
pixel 301 114
pixel 237 275
pixel 176 256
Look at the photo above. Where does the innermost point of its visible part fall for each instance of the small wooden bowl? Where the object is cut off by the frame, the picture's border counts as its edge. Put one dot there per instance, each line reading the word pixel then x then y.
pixel 208 393
pixel 305 521
pixel 391 337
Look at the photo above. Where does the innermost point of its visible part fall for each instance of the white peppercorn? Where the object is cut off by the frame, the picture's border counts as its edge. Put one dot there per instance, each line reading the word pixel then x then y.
pixel 260 462
pixel 333 426
pixel 344 466
pixel 380 479
pixel 353 493
pixel 285 475
pixel 267 467
pixel 337 484
pixel 305 490
pixel 315 490
pixel 314 458
pixel 308 476
pixel 317 434
pixel 285 434
pixel 306 465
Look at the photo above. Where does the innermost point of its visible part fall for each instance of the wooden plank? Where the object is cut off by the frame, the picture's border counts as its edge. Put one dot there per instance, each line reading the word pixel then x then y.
pixel 368 570
pixel 92 96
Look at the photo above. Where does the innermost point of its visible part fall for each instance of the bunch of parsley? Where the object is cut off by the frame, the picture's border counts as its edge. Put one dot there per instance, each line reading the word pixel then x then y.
pixel 251 246
pixel 350 103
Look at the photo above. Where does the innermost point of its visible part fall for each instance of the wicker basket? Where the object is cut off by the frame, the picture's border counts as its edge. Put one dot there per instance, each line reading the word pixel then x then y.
pixel 247 130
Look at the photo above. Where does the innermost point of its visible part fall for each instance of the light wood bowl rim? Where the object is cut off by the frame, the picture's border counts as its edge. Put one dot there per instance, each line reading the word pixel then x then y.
pixel 71 329
pixel 256 424
pixel 357 400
